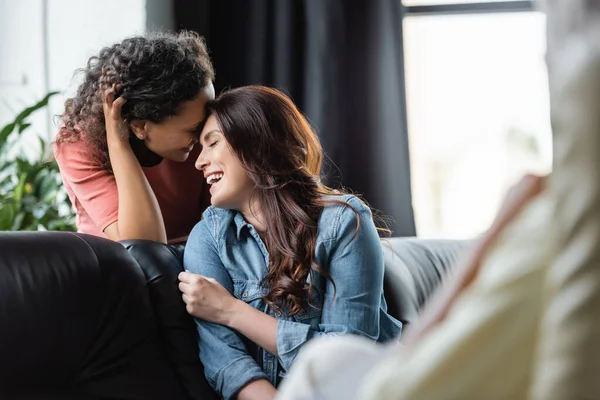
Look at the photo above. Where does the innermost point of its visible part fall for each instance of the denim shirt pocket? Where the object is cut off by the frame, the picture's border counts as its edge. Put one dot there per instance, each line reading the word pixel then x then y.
pixel 248 291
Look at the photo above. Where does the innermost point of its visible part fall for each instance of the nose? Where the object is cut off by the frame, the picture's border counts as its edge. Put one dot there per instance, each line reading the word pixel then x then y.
pixel 202 162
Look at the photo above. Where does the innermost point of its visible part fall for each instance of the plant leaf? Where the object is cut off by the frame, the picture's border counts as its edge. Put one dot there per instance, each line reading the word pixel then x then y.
pixel 8 211
pixel 42 148
pixel 31 192
pixel 23 126
pixel 18 222
pixel 4 133
pixel 20 188
pixel 19 120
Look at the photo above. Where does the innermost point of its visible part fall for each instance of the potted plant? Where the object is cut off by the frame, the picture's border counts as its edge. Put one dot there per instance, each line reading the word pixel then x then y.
pixel 31 192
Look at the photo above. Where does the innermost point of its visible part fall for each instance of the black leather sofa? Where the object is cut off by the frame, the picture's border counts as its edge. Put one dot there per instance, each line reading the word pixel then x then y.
pixel 86 318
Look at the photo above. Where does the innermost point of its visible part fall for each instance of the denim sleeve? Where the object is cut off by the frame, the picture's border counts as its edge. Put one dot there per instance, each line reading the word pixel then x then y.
pixel 227 365
pixel 356 266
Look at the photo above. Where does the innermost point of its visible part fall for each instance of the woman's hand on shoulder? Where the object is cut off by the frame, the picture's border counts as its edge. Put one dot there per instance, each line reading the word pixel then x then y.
pixel 117 130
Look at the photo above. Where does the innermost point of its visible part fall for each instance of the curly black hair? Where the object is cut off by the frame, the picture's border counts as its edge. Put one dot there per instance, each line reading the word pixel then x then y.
pixel 156 73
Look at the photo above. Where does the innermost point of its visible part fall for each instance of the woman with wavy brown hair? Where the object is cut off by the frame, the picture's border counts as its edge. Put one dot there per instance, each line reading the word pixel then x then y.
pixel 126 149
pixel 279 258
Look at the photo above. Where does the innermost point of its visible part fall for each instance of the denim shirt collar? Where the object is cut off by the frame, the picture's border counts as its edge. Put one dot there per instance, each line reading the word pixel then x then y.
pixel 240 223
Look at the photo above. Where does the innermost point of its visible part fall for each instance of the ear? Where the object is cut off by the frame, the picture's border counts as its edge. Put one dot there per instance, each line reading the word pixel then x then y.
pixel 139 128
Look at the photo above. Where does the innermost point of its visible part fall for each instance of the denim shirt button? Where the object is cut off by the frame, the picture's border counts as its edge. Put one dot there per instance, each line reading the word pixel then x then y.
pixel 245 295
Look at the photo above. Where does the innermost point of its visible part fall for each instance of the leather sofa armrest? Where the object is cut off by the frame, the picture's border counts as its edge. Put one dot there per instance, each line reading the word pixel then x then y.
pixel 161 264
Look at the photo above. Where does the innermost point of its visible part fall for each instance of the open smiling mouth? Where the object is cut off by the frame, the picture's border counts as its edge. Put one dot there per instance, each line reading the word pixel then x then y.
pixel 213 179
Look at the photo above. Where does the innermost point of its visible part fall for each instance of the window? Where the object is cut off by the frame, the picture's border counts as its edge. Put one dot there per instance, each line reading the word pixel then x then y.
pixel 465 6
pixel 478 112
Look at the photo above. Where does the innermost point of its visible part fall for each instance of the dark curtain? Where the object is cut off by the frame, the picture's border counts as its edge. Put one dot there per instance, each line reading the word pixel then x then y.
pixel 341 62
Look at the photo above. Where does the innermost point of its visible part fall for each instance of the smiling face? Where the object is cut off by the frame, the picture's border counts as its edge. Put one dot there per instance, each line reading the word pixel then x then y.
pixel 230 183
pixel 175 137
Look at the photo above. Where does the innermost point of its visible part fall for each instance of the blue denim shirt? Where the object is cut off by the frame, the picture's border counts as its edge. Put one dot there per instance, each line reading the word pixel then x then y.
pixel 227 248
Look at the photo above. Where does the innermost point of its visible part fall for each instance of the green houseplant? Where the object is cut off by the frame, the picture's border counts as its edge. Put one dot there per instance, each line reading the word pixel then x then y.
pixel 31 192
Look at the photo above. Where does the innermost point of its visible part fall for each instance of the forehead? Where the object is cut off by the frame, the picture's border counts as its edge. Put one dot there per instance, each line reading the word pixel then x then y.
pixel 210 125
pixel 194 111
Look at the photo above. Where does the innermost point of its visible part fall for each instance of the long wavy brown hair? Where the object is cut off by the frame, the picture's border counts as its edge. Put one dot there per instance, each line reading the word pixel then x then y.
pixel 156 74
pixel 283 157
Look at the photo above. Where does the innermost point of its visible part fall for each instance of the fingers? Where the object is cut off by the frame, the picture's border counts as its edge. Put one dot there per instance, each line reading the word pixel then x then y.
pixel 116 107
pixel 191 278
pixel 110 104
pixel 184 287
pixel 189 309
pixel 186 276
pixel 109 95
pixel 190 282
pixel 189 306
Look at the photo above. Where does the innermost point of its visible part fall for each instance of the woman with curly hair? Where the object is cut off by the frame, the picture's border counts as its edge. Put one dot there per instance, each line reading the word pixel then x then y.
pixel 126 149
pixel 279 258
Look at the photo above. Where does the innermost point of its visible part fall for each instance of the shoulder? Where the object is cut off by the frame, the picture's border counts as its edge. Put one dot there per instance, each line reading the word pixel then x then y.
pixel 70 151
pixel 214 223
pixel 346 204
pixel 79 165
pixel 340 213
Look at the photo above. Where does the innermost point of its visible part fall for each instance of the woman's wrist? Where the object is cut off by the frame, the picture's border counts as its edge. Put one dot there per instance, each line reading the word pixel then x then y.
pixel 117 144
pixel 232 315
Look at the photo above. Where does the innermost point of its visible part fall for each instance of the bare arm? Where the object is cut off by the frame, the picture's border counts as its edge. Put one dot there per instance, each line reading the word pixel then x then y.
pixel 257 390
pixel 257 326
pixel 139 213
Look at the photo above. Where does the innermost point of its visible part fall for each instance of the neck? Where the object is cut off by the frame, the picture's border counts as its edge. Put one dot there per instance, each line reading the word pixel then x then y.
pixel 252 213
pixel 145 156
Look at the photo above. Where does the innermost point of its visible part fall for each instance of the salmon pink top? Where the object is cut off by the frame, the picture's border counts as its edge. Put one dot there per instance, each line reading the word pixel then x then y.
pixel 179 187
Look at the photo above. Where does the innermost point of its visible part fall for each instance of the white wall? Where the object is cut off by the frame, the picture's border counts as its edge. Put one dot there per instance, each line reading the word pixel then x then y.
pixel 21 59
pixel 78 29
pixel 36 57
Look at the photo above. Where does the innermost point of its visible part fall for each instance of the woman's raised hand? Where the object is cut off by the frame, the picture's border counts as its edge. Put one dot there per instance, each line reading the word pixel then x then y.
pixel 116 127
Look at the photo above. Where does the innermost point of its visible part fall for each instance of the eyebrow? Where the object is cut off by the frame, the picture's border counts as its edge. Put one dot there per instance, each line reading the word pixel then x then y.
pixel 209 134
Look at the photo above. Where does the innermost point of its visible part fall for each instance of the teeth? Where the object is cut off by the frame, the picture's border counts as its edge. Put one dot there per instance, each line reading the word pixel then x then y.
pixel 213 178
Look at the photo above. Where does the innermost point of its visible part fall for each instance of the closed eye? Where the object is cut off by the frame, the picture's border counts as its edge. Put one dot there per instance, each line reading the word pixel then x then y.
pixel 213 143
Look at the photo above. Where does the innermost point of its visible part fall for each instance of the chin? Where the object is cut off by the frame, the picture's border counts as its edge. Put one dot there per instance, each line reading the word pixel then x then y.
pixel 216 203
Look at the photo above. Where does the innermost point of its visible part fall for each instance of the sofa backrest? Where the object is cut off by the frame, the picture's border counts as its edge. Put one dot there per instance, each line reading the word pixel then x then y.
pixel 413 270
